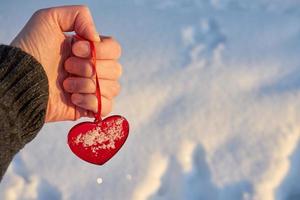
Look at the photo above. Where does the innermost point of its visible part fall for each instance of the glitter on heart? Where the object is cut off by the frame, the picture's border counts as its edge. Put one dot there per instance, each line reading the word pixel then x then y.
pixel 101 137
pixel 97 142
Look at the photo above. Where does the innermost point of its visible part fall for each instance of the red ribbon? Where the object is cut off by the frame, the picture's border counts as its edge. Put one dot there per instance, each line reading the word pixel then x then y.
pixel 98 92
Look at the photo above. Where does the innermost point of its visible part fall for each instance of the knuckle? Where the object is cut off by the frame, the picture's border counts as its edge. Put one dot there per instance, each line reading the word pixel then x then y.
pixel 117 46
pixel 118 70
pixel 40 12
pixel 48 11
pixel 116 89
pixel 84 8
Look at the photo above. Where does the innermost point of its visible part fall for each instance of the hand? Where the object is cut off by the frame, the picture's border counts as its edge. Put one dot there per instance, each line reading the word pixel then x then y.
pixel 67 64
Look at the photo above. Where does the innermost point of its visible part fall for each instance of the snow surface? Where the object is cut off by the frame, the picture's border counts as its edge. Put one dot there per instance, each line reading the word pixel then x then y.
pixel 212 92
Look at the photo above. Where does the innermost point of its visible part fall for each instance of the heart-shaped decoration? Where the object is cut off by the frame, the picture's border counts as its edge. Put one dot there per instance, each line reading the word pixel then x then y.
pixel 97 142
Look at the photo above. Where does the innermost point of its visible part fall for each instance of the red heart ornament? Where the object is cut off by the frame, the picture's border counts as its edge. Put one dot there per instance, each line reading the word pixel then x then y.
pixel 98 142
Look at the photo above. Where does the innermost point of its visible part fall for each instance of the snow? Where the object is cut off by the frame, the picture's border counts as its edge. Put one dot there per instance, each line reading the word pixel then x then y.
pixel 211 91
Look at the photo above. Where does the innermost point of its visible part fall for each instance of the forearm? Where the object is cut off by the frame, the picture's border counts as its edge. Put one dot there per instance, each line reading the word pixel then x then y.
pixel 23 101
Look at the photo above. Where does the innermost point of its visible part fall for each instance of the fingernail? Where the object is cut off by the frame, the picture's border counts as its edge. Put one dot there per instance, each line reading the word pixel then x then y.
pixel 85 49
pixel 97 37
pixel 77 98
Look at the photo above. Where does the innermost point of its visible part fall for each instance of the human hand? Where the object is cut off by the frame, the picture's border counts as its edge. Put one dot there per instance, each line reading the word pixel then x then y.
pixel 68 64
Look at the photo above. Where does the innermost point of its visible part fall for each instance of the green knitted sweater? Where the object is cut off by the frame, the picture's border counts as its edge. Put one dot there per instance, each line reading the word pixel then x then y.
pixel 23 101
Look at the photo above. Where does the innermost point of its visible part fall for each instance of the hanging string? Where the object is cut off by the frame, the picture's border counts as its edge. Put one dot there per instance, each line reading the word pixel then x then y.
pixel 98 92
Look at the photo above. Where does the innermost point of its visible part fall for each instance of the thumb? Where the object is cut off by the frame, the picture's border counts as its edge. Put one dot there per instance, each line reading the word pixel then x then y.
pixel 78 19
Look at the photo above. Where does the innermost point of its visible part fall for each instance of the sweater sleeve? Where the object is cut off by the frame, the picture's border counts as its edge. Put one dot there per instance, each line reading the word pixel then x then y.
pixel 23 101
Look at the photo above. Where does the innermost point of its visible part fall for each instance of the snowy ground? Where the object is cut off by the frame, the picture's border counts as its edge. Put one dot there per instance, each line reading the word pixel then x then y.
pixel 212 92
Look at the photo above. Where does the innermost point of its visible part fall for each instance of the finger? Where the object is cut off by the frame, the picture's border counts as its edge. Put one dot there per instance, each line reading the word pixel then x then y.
pixel 85 101
pixel 107 49
pixel 109 89
pixel 89 102
pixel 79 85
pixel 80 112
pixel 106 69
pixel 73 18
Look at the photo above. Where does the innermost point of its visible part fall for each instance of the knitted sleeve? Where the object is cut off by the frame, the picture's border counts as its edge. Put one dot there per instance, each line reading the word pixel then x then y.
pixel 23 101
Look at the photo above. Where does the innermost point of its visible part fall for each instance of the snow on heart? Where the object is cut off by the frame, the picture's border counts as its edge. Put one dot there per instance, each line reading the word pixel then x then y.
pixel 102 138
